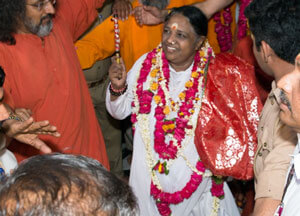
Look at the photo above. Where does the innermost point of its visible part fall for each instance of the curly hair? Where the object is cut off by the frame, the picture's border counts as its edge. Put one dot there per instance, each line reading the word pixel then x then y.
pixel 11 12
pixel 277 23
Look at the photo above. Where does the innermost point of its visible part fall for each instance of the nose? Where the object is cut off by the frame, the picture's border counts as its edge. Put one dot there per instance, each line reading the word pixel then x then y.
pixel 49 8
pixel 171 38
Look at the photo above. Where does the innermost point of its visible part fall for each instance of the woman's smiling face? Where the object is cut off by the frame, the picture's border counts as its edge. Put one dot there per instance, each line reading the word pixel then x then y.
pixel 180 42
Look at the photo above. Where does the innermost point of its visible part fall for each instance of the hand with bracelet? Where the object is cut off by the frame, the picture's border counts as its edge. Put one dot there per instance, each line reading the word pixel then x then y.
pixel 20 126
pixel 117 76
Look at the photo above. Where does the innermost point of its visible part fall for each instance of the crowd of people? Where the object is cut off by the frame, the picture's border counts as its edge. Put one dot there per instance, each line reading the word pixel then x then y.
pixel 199 113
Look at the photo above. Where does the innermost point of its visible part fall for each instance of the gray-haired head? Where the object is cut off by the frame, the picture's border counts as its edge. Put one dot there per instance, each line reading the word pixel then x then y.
pixel 65 185
pixel 160 4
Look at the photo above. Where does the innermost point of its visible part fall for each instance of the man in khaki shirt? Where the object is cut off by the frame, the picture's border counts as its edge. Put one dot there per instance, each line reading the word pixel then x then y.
pixel 276 141
pixel 97 80
pixel 276 45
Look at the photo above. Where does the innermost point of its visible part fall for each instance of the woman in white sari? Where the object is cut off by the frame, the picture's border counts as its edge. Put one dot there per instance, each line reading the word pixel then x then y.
pixel 163 92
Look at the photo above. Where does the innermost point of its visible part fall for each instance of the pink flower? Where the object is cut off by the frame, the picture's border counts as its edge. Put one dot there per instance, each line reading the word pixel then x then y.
pixel 133 118
pixel 200 166
pixel 163 209
pixel 217 189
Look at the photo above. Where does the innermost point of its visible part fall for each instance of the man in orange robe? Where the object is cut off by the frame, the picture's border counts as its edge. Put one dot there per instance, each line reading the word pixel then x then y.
pixel 44 75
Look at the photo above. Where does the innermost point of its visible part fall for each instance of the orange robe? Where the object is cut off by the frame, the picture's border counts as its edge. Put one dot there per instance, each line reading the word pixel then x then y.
pixel 135 40
pixel 47 78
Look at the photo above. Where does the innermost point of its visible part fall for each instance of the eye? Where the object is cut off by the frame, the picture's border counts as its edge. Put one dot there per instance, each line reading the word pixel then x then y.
pixel 40 5
pixel 181 35
pixel 166 31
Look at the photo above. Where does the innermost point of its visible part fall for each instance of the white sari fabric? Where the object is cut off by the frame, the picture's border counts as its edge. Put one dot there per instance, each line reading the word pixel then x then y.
pixel 200 203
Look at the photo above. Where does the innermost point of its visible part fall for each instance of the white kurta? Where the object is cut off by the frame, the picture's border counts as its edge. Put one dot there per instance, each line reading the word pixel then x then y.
pixel 292 196
pixel 200 203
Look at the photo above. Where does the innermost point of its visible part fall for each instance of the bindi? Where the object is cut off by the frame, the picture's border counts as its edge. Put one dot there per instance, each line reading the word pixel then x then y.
pixel 174 26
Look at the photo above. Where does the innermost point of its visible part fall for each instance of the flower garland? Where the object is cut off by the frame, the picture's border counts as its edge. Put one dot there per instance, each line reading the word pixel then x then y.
pixel 242 23
pixel 155 70
pixel 224 35
pixel 223 31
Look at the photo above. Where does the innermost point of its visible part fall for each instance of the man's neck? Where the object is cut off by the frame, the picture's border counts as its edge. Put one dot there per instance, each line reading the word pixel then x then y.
pixel 281 68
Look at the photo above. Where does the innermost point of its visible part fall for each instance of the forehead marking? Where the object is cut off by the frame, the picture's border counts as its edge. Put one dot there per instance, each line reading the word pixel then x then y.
pixel 174 26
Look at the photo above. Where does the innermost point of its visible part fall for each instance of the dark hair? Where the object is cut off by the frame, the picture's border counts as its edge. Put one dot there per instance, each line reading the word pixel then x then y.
pixel 277 22
pixel 195 16
pixel 59 184
pixel 11 13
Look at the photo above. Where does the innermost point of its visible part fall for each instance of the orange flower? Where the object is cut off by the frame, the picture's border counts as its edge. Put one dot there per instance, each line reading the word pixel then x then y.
pixel 154 86
pixel 182 96
pixel 160 167
pixel 157 99
pixel 195 74
pixel 189 84
pixel 165 128
pixel 153 61
pixel 166 110
pixel 171 126
pixel 153 73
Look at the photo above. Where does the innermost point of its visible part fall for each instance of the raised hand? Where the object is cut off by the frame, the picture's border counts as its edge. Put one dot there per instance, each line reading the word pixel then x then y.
pixel 117 73
pixel 149 15
pixel 122 8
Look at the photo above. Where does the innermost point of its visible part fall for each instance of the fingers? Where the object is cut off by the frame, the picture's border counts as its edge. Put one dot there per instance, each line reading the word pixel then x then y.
pixel 40 145
pixel 123 9
pixel 23 113
pixel 117 73
pixel 138 15
pixel 43 127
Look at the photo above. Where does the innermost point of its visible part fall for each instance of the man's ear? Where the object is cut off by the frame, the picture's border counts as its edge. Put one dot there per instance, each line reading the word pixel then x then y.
pixel 266 51
pixel 200 42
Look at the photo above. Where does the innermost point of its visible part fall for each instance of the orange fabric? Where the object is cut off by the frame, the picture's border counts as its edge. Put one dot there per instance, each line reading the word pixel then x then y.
pixel 47 78
pixel 135 40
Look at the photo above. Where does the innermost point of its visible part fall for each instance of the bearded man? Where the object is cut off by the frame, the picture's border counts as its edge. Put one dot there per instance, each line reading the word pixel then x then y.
pixel 43 72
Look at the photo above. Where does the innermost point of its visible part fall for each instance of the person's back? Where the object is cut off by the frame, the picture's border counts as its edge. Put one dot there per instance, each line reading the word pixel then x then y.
pixel 43 74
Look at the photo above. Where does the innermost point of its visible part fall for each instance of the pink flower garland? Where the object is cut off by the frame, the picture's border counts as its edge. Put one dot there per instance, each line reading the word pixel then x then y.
pixel 224 35
pixel 169 151
pixel 242 23
pixel 223 31
pixel 217 187
pixel 164 199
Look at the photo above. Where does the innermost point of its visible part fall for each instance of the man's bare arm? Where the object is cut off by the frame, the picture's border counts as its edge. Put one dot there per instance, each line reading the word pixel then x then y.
pixel 210 7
